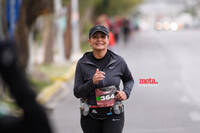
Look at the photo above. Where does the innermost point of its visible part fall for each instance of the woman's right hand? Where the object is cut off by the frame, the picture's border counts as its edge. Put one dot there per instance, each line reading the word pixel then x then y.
pixel 99 75
pixel 121 95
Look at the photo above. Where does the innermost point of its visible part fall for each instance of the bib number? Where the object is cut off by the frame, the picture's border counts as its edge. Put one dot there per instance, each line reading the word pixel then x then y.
pixel 105 97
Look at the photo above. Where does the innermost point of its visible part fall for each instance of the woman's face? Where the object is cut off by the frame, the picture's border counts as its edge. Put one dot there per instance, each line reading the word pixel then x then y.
pixel 99 41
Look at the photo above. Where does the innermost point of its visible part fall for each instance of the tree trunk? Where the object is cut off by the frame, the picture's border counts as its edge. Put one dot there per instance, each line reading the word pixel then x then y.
pixel 30 10
pixel 67 34
pixel 48 40
pixel 21 37
pixel 3 19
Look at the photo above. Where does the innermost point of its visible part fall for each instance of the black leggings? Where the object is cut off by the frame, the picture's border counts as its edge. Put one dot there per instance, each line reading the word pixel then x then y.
pixel 113 124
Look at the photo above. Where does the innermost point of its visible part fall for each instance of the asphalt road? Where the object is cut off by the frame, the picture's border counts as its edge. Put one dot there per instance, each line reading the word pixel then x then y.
pixel 172 105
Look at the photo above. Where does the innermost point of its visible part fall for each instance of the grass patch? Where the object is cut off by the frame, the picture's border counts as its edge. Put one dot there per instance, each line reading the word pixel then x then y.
pixel 38 85
pixel 52 71
pixel 8 106
pixel 45 75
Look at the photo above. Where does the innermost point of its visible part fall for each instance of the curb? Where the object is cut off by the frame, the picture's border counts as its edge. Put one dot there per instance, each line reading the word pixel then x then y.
pixel 46 94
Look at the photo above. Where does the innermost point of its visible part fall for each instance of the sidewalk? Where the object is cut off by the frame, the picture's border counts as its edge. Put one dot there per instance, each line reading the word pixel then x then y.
pixel 48 95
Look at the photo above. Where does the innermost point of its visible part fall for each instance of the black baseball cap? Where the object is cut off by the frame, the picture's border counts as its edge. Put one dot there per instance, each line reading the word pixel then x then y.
pixel 96 28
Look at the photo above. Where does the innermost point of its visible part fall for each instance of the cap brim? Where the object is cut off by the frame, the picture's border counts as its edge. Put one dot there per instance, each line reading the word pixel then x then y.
pixel 106 33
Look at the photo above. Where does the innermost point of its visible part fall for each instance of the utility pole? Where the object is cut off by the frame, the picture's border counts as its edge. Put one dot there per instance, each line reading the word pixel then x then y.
pixel 75 31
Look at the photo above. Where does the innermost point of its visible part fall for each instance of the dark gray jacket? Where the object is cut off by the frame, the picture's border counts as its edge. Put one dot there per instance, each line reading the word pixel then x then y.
pixel 115 71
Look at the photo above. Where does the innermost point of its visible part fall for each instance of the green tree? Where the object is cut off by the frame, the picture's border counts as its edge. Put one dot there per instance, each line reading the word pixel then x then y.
pixel 115 7
pixel 30 10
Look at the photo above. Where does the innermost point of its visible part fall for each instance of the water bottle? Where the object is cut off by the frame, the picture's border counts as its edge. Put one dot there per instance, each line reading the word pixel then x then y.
pixel 84 107
pixel 117 107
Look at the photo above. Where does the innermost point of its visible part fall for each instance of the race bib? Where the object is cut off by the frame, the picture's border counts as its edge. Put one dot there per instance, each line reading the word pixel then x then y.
pixel 105 97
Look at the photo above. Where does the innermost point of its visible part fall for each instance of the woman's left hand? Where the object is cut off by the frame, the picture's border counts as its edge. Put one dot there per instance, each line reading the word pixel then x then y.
pixel 121 95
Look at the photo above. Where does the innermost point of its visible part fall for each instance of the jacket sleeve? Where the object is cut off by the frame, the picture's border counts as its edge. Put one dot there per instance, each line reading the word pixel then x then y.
pixel 127 79
pixel 81 89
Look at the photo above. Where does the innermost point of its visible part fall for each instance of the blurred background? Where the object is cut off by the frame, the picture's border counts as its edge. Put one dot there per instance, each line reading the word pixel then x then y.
pixel 158 39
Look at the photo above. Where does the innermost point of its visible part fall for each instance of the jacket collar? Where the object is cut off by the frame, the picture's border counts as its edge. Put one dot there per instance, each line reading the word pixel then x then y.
pixel 114 58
